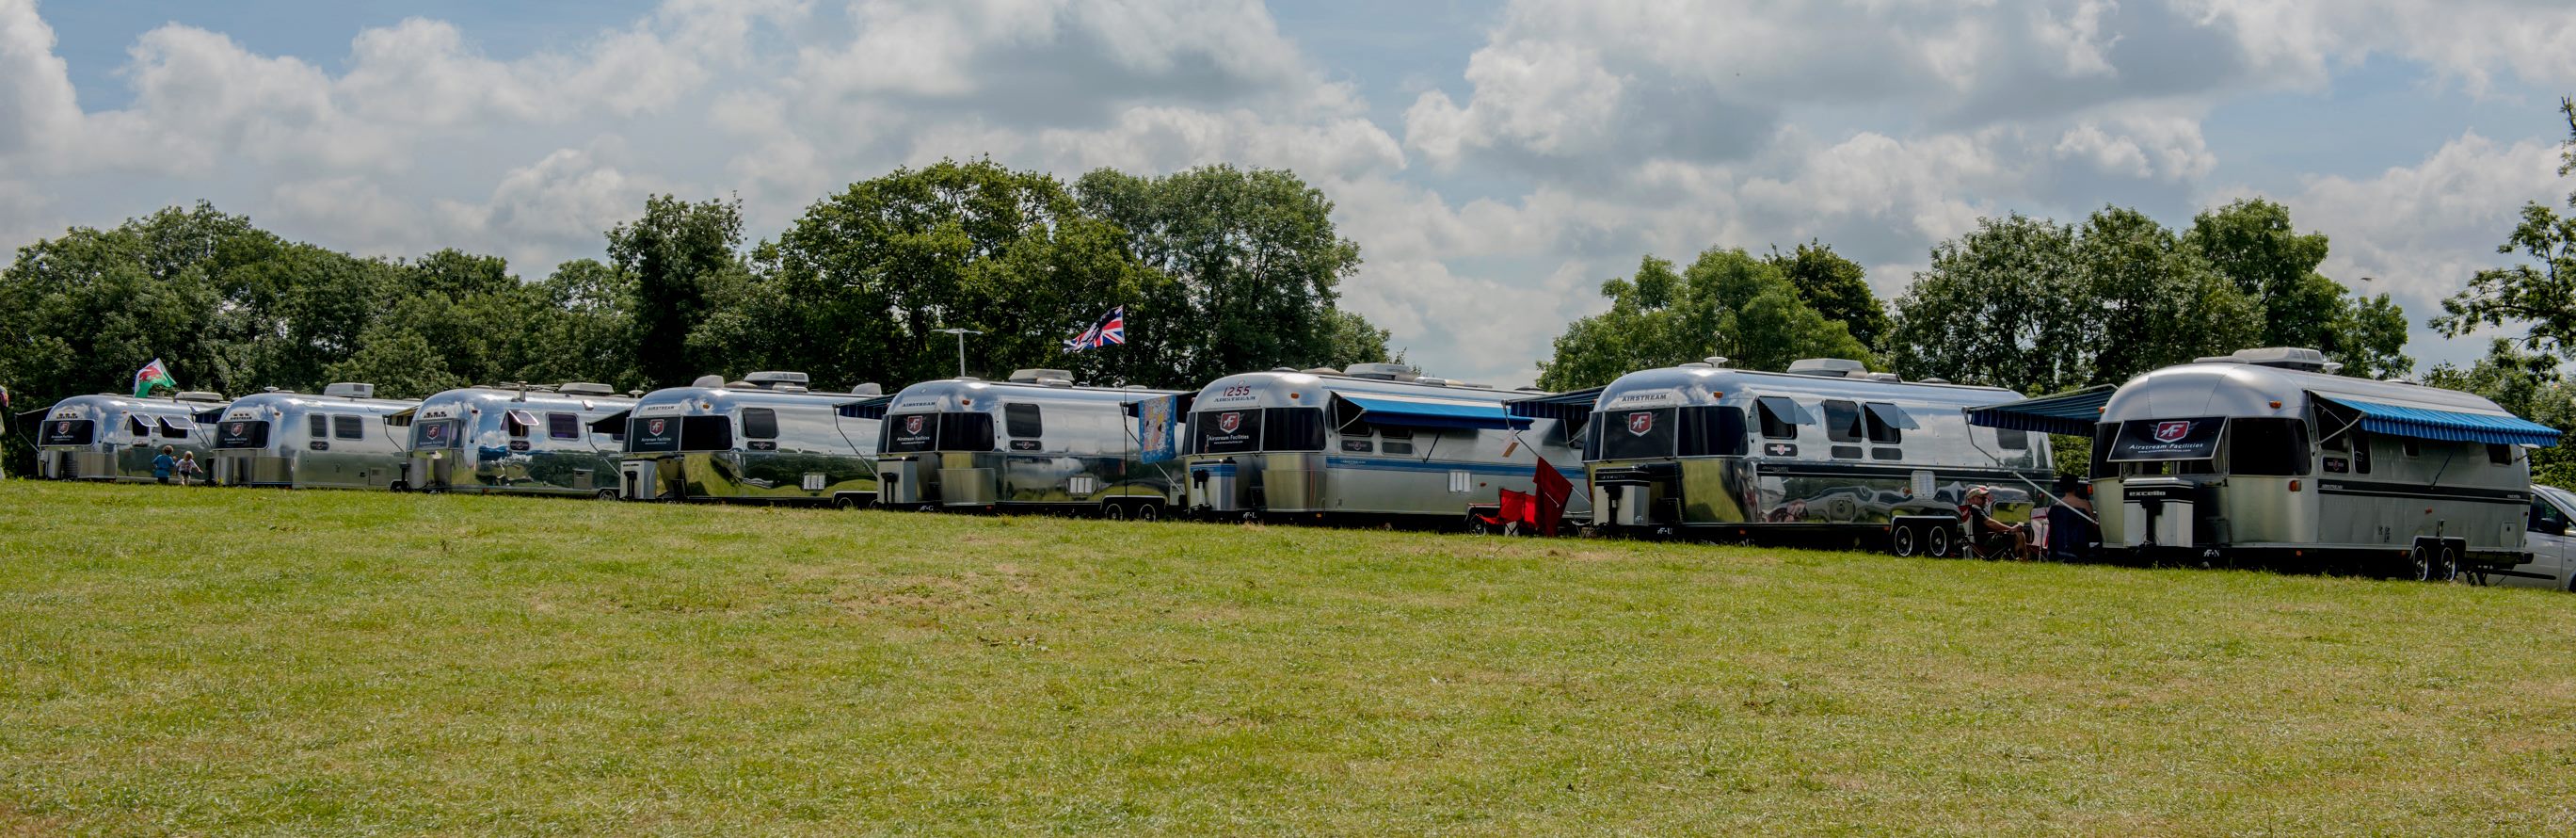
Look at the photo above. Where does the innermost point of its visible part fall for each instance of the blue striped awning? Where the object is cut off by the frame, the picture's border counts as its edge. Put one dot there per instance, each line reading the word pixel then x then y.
pixel 1429 413
pixel 2444 425
pixel 2072 414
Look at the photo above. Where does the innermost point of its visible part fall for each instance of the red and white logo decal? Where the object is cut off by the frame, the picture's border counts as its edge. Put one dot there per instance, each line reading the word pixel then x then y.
pixel 912 424
pixel 437 431
pixel 237 428
pixel 62 427
pixel 2172 431
pixel 1229 422
pixel 654 426
pixel 1641 423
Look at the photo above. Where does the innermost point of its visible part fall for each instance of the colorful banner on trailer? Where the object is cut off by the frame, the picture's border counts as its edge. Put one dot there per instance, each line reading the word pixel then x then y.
pixel 1158 429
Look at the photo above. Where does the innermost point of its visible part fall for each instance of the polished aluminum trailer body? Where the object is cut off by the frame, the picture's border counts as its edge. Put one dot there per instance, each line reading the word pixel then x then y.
pixel 1830 452
pixel 1033 443
pixel 1379 444
pixel 108 437
pixel 514 440
pixel 765 439
pixel 340 439
pixel 2235 460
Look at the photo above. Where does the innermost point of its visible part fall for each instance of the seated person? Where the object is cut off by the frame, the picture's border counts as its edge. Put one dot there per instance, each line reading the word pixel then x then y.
pixel 2072 531
pixel 1988 536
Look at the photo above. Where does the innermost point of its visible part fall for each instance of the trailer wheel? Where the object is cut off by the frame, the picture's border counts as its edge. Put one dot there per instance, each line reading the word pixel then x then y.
pixel 1476 525
pixel 845 502
pixel 1112 511
pixel 2446 563
pixel 605 494
pixel 1901 541
pixel 1147 513
pixel 2422 560
pixel 398 486
pixel 1936 541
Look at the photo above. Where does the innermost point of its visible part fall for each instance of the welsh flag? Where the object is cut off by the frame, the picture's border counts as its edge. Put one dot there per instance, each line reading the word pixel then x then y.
pixel 153 375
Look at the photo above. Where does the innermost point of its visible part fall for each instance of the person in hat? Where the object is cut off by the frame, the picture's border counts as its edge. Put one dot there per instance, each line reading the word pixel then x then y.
pixel 1990 536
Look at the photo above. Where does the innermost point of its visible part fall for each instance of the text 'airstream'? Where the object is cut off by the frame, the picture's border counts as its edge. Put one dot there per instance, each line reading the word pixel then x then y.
pixel 522 439
pixel 114 438
pixel 1378 442
pixel 2269 457
pixel 1827 451
pixel 340 439
pixel 1035 442
pixel 764 439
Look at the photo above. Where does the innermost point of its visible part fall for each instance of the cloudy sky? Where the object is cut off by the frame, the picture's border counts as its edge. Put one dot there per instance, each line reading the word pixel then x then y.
pixel 1495 160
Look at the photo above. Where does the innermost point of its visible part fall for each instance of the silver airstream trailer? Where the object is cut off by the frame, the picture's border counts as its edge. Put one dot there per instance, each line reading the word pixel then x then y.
pixel 2267 457
pixel 1035 442
pixel 111 437
pixel 1376 442
pixel 1826 452
pixel 340 439
pixel 763 439
pixel 521 439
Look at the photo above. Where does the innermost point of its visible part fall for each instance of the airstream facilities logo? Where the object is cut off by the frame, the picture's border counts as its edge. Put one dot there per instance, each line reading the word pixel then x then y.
pixel 237 428
pixel 912 424
pixel 64 428
pixel 1229 422
pixel 1641 423
pixel 2172 431
pixel 436 432
pixel 654 426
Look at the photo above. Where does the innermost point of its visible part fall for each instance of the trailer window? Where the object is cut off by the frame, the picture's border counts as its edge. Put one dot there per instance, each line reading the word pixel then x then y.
pixel 1293 429
pixel 2500 455
pixel 1842 421
pixel 1021 421
pixel 2267 447
pixel 1887 423
pixel 1637 434
pixel 348 427
pixel 69 432
pixel 1393 440
pixel 2360 450
pixel 2409 446
pixel 759 423
pixel 318 426
pixel 1780 417
pixel 965 432
pixel 134 426
pixel 434 433
pixel 1713 432
pixel 2012 440
pixel 563 426
pixel 706 433
pixel 519 423
pixel 2104 435
pixel 175 428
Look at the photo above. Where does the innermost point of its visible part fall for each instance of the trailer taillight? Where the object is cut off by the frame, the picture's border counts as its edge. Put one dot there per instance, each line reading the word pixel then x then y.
pixel 2294 485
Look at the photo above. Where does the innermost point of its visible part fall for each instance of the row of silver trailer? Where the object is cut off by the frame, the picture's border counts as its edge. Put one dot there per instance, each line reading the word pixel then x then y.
pixel 2263 457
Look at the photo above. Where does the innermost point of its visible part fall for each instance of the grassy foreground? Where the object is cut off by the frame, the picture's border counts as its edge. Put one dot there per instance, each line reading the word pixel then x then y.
pixel 253 662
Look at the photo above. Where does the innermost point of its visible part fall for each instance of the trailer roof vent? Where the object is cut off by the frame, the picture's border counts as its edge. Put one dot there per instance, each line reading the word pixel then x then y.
pixel 1283 369
pixel 2283 357
pixel 1828 367
pixel 350 389
pixel 1383 372
pixel 1886 377
pixel 1321 371
pixel 585 388
pixel 870 389
pixel 1933 381
pixel 1428 381
pixel 1719 361
pixel 1043 377
pixel 1698 365
pixel 199 396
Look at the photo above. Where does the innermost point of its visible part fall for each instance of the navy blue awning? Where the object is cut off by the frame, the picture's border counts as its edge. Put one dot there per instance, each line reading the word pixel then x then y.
pixel 2444 425
pixel 868 408
pixel 2072 414
pixel 1403 411
pixel 1570 407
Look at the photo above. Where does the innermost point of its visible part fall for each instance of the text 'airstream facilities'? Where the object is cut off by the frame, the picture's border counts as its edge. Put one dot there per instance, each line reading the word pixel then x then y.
pixel 1035 442
pixel 1827 451
pixel 2269 457
pixel 340 439
pixel 114 438
pixel 520 439
pixel 764 439
pixel 1378 442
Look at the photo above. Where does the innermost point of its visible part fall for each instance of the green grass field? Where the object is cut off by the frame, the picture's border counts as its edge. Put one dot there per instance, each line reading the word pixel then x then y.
pixel 195 661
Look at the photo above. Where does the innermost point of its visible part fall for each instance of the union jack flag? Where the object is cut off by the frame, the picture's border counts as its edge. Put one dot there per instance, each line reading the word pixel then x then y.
pixel 1112 328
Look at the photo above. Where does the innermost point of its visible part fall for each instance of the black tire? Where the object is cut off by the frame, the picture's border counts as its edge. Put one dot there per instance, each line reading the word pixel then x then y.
pixel 1112 511
pixel 1148 513
pixel 1936 542
pixel 2446 564
pixel 1902 541
pixel 605 494
pixel 844 502
pixel 1477 526
pixel 2421 561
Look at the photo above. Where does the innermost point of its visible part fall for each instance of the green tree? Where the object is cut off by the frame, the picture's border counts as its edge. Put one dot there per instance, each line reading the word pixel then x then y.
pixel 1255 264
pixel 2003 305
pixel 2253 244
pixel 1726 303
pixel 672 256
pixel 1835 287
pixel 2539 296
pixel 2149 302
pixel 2531 385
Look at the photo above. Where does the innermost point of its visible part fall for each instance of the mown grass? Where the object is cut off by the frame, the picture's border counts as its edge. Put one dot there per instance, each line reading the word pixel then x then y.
pixel 250 662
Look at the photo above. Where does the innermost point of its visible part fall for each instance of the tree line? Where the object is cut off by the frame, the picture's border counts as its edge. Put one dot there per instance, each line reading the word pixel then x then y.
pixel 1221 269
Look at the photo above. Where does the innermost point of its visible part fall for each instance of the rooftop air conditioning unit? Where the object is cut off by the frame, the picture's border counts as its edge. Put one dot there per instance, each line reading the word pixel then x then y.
pixel 786 382
pixel 1828 367
pixel 1043 377
pixel 584 388
pixel 708 381
pixel 868 390
pixel 1322 371
pixel 350 389
pixel 1383 372
pixel 2281 357
pixel 199 396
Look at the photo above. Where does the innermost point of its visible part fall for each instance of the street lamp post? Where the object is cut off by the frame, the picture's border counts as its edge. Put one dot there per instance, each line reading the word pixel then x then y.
pixel 961 347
